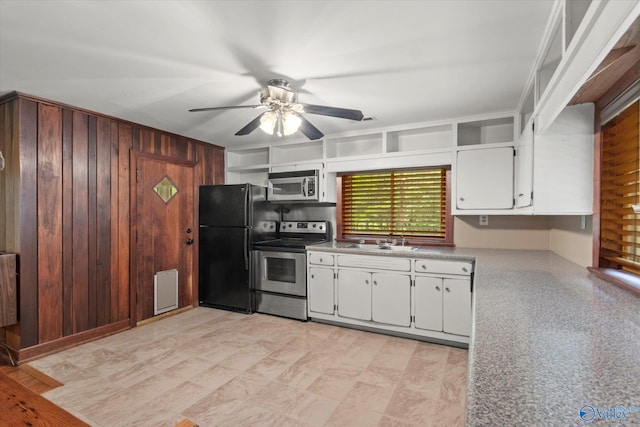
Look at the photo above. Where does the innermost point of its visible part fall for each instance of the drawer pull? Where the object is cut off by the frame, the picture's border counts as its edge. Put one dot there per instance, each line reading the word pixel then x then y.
pixel 320 259
pixel 424 267
pixel 464 269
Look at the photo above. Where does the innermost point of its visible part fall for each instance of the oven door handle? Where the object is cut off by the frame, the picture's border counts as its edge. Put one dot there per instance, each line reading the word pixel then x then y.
pixel 264 268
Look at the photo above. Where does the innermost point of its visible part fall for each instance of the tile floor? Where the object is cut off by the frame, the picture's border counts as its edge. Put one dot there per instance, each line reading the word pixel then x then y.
pixel 219 368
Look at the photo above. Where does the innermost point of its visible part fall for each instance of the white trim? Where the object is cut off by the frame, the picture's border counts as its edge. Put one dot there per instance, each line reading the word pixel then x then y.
pixel 621 103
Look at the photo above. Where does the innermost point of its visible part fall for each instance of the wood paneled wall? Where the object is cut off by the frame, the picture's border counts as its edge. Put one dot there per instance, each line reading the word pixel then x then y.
pixel 65 194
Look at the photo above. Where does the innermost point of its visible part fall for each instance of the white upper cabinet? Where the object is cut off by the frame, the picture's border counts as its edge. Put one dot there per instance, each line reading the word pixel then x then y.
pixel 484 166
pixel 484 179
pixel 563 159
pixel 524 168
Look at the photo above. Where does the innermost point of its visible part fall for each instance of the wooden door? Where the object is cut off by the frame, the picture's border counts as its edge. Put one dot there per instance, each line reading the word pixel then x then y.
pixel 163 229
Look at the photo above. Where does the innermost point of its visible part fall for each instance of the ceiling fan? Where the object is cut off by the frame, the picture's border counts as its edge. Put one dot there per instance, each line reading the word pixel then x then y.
pixel 284 115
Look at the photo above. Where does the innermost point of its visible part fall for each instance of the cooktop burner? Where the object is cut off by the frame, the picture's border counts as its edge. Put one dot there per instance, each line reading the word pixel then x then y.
pixel 298 234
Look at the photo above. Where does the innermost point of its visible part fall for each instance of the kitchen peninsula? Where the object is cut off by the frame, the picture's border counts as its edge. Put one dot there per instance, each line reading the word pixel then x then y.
pixel 547 338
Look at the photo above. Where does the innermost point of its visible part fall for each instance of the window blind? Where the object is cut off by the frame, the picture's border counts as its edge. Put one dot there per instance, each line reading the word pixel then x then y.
pixel 409 203
pixel 620 189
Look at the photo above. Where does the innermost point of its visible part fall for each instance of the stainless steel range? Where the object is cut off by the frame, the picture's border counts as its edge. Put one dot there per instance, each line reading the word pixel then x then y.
pixel 280 281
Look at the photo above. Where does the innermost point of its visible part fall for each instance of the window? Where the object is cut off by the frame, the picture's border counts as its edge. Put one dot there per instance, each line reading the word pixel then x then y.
pixel 392 204
pixel 620 190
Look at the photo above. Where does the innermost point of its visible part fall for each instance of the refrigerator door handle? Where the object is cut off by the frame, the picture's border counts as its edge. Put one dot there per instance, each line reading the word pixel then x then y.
pixel 247 205
pixel 246 248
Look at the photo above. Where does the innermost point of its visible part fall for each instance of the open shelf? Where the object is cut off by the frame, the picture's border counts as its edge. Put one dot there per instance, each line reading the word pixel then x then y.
pixel 490 131
pixel 420 139
pixel 292 153
pixel 248 159
pixel 360 145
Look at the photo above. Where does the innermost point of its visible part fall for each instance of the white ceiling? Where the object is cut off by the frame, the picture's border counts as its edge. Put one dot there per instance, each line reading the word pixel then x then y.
pixel 150 61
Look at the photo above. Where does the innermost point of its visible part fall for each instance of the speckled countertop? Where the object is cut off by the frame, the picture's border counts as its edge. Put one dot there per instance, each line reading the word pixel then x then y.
pixel 548 339
pixel 444 252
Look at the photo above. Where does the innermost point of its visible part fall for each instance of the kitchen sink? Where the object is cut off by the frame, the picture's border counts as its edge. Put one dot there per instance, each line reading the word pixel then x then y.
pixel 397 248
pixel 373 247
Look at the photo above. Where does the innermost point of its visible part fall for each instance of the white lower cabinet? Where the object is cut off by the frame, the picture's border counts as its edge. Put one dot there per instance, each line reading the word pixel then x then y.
pixel 391 299
pixel 456 306
pixel 427 298
pixel 428 303
pixel 354 294
pixel 381 297
pixel 443 304
pixel 320 292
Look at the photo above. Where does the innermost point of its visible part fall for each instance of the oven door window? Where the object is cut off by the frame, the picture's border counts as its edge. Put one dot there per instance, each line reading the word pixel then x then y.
pixel 281 270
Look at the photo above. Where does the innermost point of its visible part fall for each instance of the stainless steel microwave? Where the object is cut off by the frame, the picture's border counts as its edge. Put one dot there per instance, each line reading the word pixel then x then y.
pixel 293 186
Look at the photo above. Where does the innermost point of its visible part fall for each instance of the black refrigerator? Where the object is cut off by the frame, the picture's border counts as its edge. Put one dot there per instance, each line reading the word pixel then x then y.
pixel 232 218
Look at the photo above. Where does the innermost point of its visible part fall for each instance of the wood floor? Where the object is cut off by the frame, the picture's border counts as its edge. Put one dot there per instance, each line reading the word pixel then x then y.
pixel 21 403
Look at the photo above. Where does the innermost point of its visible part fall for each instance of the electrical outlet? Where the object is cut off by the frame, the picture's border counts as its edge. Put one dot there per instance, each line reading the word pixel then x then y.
pixel 484 219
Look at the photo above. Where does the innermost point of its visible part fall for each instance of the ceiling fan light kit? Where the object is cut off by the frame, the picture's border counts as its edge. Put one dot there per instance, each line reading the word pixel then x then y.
pixel 278 123
pixel 285 112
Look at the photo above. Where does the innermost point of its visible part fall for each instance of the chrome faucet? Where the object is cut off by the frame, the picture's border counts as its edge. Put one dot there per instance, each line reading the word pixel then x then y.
pixel 404 240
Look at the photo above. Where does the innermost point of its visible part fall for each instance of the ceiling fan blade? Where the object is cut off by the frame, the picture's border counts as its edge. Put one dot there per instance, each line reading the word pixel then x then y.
pixel 309 130
pixel 342 113
pixel 251 126
pixel 193 110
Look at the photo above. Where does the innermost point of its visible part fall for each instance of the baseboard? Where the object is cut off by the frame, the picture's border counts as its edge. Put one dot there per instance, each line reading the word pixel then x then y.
pixel 40 350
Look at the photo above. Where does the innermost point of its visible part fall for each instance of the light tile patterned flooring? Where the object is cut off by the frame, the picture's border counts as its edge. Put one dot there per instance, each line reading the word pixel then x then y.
pixel 219 368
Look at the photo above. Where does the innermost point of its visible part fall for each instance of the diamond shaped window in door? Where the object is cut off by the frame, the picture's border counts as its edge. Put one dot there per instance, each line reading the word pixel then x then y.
pixel 166 189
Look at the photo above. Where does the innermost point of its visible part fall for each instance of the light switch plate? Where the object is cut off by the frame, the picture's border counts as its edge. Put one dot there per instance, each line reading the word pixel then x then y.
pixel 484 219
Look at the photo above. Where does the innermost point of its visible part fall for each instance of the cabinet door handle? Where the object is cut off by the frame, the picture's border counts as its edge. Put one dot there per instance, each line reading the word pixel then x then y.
pixel 462 199
pixel 375 282
pixel 437 288
pixel 424 267
pixel 464 269
pixel 312 276
pixel 320 259
pixel 366 282
pixel 447 289
pixel 520 195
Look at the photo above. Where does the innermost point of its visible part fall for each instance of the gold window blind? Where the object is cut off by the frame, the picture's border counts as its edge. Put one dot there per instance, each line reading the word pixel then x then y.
pixel 620 190
pixel 409 203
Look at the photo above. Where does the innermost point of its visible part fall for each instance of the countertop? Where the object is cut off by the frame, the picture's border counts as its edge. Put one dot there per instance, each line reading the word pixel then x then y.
pixel 548 339
pixel 442 252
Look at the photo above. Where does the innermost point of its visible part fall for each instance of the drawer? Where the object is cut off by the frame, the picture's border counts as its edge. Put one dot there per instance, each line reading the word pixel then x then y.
pixel 375 262
pixel 443 266
pixel 320 258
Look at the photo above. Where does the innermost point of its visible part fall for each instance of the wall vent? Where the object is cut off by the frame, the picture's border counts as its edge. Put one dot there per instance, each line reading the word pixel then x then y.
pixel 165 292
